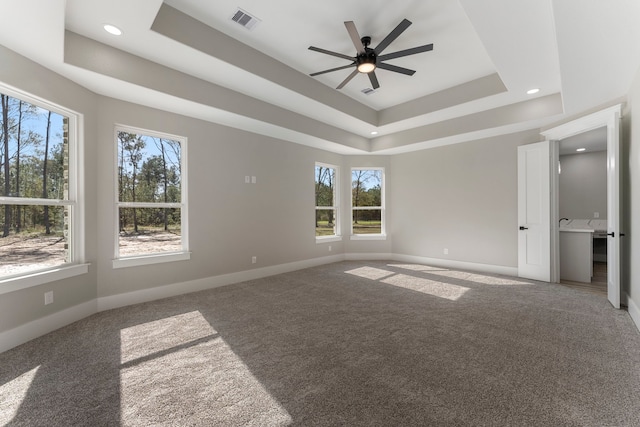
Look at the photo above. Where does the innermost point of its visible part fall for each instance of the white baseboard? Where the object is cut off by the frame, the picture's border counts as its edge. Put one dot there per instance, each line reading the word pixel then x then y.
pixel 461 265
pixel 634 311
pixel 366 256
pixel 36 328
pixel 166 291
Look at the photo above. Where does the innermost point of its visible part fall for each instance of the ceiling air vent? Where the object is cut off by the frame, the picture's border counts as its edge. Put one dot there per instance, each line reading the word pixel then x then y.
pixel 243 18
pixel 368 91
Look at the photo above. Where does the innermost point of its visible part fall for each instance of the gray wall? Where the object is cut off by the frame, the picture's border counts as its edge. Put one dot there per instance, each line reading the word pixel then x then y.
pixel 583 185
pixel 229 221
pixel 461 197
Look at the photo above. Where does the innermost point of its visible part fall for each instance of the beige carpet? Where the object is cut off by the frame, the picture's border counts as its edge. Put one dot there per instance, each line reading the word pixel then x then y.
pixel 349 344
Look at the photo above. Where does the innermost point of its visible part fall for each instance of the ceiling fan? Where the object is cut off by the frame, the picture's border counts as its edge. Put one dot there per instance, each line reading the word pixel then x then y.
pixel 367 59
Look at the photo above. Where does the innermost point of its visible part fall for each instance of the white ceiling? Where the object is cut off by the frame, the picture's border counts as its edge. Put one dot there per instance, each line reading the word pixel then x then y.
pixel 580 53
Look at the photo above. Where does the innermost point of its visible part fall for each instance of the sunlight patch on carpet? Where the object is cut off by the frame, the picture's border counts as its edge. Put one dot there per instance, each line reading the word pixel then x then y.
pixel 370 273
pixel 13 393
pixel 418 267
pixel 425 286
pixel 481 279
pixel 149 338
pixel 179 371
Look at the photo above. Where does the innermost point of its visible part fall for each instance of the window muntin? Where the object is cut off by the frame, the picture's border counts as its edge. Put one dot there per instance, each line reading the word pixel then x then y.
pixel 150 203
pixel 367 201
pixel 40 220
pixel 326 196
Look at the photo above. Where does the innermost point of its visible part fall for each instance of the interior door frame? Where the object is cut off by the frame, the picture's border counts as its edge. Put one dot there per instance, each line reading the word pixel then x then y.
pixel 609 118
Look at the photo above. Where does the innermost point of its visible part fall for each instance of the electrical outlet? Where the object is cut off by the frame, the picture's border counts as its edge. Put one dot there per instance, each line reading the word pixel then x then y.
pixel 253 179
pixel 596 214
pixel 247 179
pixel 446 251
pixel 329 248
pixel 48 297
pixel 254 259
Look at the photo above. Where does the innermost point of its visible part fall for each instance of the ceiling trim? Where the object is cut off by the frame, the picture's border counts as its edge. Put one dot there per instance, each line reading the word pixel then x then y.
pixel 451 97
pixel 520 112
pixel 91 55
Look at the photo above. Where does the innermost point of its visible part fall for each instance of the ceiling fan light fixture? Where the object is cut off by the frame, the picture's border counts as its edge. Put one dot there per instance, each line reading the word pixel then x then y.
pixel 366 67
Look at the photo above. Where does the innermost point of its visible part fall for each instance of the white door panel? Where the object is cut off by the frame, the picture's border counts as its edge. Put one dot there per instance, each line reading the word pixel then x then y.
pixel 534 215
pixel 613 212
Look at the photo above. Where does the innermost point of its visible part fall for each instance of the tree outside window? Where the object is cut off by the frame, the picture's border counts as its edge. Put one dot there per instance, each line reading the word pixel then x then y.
pixel 367 201
pixel 326 200
pixel 36 204
pixel 150 193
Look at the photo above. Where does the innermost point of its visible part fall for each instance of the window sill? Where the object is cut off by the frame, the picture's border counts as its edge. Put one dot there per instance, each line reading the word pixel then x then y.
pixel 327 239
pixel 41 277
pixel 369 237
pixel 135 261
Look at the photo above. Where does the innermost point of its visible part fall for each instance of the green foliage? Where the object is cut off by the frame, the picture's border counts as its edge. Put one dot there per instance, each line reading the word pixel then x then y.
pixel 23 161
pixel 366 190
pixel 149 172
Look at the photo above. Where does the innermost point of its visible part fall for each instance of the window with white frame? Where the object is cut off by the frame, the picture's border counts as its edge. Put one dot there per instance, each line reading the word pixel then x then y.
pixel 40 217
pixel 327 217
pixel 151 191
pixel 367 202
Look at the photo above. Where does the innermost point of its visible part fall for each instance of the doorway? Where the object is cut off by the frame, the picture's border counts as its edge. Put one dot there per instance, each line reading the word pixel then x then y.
pixel 610 120
pixel 582 205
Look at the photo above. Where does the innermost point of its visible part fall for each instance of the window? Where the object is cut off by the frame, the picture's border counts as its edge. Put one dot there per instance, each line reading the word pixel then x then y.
pixel 367 203
pixel 151 212
pixel 327 218
pixel 40 218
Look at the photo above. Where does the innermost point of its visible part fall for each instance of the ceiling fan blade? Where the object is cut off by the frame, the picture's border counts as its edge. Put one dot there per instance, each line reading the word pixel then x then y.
pixel 396 69
pixel 374 80
pixel 333 69
pixel 348 79
pixel 355 37
pixel 392 36
pixel 328 52
pixel 406 52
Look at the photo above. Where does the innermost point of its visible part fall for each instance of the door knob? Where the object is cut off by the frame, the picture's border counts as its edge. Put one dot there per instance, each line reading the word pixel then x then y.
pixel 612 234
pixel 523 228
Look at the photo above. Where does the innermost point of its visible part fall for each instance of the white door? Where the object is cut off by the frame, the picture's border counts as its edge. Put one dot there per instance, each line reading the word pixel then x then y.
pixel 534 213
pixel 613 211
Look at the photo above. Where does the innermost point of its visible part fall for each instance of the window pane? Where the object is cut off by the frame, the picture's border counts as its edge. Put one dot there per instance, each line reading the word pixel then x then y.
pixel 148 169
pixel 366 187
pixel 325 222
pixel 146 231
pixel 367 221
pixel 325 185
pixel 37 150
pixel 37 238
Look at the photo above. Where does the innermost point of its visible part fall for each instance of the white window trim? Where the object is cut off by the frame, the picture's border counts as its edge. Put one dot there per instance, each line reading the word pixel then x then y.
pixel 336 204
pixel 383 233
pixel 160 257
pixel 40 277
pixel 77 266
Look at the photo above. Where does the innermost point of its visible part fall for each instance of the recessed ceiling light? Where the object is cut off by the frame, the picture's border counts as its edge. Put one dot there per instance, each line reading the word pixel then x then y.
pixel 532 91
pixel 580 149
pixel 374 132
pixel 112 29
